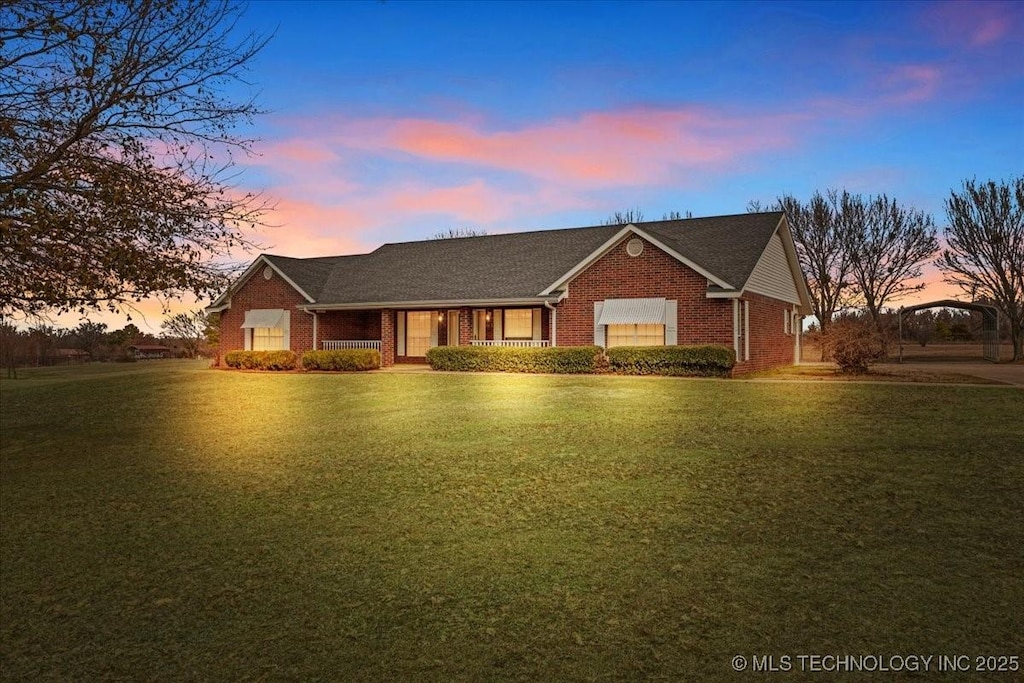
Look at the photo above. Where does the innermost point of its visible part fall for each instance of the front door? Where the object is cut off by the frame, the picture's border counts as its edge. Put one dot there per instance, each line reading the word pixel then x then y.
pixel 417 332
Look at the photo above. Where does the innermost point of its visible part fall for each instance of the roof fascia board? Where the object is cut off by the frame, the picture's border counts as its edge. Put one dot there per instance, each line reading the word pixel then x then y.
pixel 615 239
pixel 217 309
pixel 439 303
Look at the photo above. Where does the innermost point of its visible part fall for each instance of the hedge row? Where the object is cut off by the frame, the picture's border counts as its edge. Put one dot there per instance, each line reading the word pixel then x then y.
pixel 700 361
pixel 705 361
pixel 342 359
pixel 557 360
pixel 261 360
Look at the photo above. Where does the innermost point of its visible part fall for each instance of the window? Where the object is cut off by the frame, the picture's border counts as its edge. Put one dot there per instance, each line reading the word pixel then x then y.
pixel 267 338
pixel 266 329
pixel 479 324
pixel 417 332
pixel 519 323
pixel 643 334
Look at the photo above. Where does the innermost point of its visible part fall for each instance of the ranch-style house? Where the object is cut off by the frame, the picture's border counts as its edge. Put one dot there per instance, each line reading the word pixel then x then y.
pixel 729 280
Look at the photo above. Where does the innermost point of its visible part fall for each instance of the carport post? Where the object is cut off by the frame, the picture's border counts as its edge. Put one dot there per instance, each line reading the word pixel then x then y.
pixel 900 326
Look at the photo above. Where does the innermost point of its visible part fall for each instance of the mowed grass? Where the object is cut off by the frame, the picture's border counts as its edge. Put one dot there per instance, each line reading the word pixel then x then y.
pixel 164 521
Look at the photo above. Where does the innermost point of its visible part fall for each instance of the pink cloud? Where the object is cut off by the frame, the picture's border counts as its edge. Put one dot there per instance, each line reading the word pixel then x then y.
pixel 912 83
pixel 973 24
pixel 301 228
pixel 294 151
pixel 634 147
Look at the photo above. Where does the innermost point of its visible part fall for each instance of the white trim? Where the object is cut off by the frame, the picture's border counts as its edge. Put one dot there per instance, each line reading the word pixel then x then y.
pixel 264 317
pixel 552 323
pixel 434 304
pixel 671 322
pixel 453 329
pixel 336 344
pixel 736 328
pixel 515 343
pixel 798 333
pixel 599 330
pixel 400 333
pixel 613 241
pixel 217 309
pixel 633 311
pixel 732 294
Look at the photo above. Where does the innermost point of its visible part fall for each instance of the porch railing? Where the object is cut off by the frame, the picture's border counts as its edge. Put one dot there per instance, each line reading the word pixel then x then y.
pixel 335 344
pixel 521 343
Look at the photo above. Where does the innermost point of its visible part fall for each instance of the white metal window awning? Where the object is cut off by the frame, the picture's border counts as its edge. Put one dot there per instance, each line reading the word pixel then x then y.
pixel 266 317
pixel 632 312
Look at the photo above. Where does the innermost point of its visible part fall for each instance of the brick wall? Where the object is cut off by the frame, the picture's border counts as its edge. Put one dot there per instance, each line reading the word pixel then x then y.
pixel 653 273
pixel 349 325
pixel 258 292
pixel 387 338
pixel 770 346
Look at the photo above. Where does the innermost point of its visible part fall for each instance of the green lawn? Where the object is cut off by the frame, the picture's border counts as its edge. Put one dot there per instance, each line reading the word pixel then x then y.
pixel 164 521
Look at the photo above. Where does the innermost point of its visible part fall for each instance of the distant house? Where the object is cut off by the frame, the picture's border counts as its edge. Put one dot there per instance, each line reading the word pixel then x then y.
pixel 147 351
pixel 729 280
pixel 72 356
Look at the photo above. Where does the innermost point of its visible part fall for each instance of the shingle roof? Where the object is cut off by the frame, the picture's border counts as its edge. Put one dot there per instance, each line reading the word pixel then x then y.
pixel 518 265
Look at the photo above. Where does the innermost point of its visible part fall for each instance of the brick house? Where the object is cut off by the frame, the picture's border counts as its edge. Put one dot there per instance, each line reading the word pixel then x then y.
pixel 729 280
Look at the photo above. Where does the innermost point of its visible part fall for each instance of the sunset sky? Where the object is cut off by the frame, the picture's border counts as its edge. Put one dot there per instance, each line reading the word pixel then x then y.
pixel 391 121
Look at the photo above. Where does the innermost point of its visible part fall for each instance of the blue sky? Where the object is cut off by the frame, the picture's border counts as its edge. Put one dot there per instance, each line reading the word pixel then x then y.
pixel 393 120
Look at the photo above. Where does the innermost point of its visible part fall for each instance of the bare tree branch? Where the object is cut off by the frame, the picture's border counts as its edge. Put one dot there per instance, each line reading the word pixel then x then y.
pixel 111 116
pixel 985 248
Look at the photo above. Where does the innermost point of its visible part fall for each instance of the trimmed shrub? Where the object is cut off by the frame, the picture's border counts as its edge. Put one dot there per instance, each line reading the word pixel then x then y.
pixel 853 344
pixel 556 360
pixel 697 361
pixel 261 360
pixel 343 360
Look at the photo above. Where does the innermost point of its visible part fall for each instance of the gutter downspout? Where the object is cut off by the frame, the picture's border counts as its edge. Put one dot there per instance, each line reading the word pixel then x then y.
pixel 554 322
pixel 736 328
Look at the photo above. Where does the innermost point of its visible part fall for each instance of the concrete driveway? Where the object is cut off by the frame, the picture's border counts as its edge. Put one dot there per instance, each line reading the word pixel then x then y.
pixel 1010 373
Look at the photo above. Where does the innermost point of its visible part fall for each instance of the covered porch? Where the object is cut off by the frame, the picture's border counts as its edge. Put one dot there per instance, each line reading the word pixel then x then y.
pixel 404 335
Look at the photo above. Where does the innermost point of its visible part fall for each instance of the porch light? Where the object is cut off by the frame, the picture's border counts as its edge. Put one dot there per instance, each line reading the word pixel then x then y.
pixel 488 316
pixel 440 317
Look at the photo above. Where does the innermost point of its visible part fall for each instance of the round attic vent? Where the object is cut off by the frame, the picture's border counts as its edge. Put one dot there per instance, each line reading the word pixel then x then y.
pixel 268 273
pixel 635 246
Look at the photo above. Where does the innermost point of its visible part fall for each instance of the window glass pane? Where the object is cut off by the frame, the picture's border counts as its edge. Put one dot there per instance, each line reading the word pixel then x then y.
pixel 267 338
pixel 620 335
pixel 636 335
pixel 417 333
pixel 519 323
pixel 650 335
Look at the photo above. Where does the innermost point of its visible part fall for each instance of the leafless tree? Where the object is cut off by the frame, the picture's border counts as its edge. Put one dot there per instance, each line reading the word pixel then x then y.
pixel 821 249
pixel 985 248
pixel 116 144
pixel 887 244
pixel 625 217
pixel 455 233
pixel 188 327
